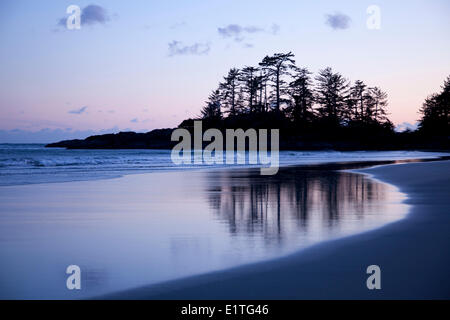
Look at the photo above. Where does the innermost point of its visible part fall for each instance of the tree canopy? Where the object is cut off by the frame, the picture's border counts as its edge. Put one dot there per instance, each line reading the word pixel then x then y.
pixel 277 85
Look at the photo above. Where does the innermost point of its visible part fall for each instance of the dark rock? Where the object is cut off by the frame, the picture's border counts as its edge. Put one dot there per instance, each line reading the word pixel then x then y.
pixel 155 139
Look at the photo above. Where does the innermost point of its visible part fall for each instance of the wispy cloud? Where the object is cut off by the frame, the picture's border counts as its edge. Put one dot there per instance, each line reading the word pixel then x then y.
pixel 135 120
pixel 90 15
pixel 78 111
pixel 178 25
pixel 237 32
pixel 338 21
pixel 240 33
pixel 275 29
pixel 178 48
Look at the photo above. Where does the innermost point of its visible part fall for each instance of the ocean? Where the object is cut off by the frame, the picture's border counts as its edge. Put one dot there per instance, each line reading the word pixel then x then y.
pixel 125 230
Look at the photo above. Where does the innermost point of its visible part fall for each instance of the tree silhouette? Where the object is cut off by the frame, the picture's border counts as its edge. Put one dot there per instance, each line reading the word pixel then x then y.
pixel 228 90
pixel 376 105
pixel 331 95
pixel 259 84
pixel 356 102
pixel 282 95
pixel 435 112
pixel 248 77
pixel 366 105
pixel 212 109
pixel 301 92
pixel 277 66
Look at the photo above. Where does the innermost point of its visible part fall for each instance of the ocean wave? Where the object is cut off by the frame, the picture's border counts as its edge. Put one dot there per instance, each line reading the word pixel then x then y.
pixel 63 162
pixel 36 164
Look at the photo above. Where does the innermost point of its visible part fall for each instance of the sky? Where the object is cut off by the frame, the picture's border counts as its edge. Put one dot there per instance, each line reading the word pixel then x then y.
pixel 141 65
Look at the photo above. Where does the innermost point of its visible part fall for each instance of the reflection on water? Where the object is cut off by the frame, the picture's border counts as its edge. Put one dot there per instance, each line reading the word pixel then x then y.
pixel 149 228
pixel 307 201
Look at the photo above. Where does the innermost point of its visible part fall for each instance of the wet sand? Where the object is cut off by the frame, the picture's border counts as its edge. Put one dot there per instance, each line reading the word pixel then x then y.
pixel 151 228
pixel 413 255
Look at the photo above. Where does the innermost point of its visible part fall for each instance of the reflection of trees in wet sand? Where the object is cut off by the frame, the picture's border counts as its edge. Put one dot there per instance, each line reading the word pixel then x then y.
pixel 297 199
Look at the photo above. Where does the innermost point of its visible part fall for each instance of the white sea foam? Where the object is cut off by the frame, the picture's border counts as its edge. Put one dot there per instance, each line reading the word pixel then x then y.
pixel 33 163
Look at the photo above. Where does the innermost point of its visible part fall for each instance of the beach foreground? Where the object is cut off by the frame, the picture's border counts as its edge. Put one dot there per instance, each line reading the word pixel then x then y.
pixel 412 254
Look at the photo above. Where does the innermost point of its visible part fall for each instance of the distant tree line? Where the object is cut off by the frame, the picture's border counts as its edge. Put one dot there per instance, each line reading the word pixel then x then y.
pixel 278 89
pixel 312 113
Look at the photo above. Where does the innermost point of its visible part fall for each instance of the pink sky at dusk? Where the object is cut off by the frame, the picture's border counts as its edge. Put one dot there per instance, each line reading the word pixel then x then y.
pixel 119 73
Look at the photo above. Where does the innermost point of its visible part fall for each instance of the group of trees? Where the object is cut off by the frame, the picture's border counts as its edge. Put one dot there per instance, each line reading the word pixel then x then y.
pixel 278 86
pixel 435 112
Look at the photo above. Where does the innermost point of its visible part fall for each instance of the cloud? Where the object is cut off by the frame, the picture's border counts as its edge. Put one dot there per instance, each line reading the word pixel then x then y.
pixel 178 48
pixel 78 111
pixel 90 15
pixel 275 29
pixel 338 21
pixel 93 14
pixel 135 120
pixel 178 25
pixel 240 33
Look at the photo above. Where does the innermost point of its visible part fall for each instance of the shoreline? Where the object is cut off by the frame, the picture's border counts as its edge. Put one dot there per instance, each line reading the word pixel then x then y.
pixel 237 168
pixel 411 253
pixel 145 229
pixel 113 213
